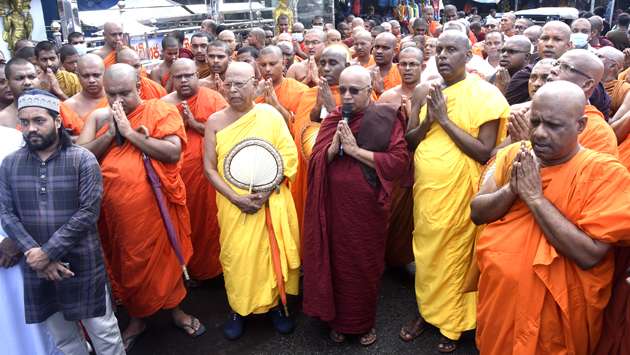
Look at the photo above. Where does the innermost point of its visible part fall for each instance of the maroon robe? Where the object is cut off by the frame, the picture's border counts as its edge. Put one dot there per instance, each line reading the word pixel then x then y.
pixel 615 338
pixel 344 239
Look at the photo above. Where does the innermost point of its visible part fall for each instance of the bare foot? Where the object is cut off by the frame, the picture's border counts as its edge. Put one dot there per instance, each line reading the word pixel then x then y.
pixel 189 324
pixel 133 331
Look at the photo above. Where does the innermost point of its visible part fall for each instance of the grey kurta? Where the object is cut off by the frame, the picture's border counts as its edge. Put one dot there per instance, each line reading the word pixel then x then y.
pixel 54 204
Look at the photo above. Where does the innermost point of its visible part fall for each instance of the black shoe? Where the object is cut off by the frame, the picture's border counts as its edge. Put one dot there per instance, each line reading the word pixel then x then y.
pixel 282 323
pixel 233 328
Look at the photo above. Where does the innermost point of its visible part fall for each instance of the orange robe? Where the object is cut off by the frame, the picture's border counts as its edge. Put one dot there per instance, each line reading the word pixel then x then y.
pixel 370 62
pixel 149 89
pixel 200 195
pixel 392 78
pixel 597 134
pixel 203 70
pixel 72 121
pixel 532 300
pixel 164 79
pixel 617 90
pixel 110 59
pixel 433 26
pixel 289 94
pixel 144 269
pixel 624 74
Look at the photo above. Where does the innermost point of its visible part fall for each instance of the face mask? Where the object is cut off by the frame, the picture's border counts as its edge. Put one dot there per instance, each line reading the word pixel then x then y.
pixel 81 48
pixel 579 40
pixel 298 36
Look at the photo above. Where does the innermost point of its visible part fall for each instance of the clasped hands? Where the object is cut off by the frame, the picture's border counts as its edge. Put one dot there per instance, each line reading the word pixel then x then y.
pixel 343 137
pixel 38 260
pixel 436 105
pixel 525 179
pixel 251 203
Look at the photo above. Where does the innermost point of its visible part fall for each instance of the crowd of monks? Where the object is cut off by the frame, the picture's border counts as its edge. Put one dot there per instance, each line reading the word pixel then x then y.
pixel 494 157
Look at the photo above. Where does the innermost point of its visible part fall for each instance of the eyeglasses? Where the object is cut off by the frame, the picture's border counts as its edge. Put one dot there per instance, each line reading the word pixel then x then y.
pixel 511 51
pixel 352 89
pixel 237 84
pixel 568 67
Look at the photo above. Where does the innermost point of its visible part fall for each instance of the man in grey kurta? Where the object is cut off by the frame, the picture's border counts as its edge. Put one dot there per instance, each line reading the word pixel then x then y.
pixel 50 195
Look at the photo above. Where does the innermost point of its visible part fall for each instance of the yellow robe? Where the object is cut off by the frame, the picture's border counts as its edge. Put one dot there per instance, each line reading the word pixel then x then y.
pixel 445 182
pixel 245 253
pixel 68 82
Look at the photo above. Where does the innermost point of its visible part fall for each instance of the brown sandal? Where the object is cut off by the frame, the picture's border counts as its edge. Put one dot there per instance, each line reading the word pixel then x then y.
pixel 368 338
pixel 412 329
pixel 447 345
pixel 337 338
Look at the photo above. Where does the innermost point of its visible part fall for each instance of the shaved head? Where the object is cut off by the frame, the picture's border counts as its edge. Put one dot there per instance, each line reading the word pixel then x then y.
pixel 271 50
pixel 316 32
pixel 355 78
pixel 184 78
pixel 128 56
pixel 521 42
pixel 110 27
pixel 387 36
pixel 413 52
pixel 540 73
pixel 458 37
pixel 580 67
pixel 339 51
pixel 356 74
pixel 120 72
pixel 555 39
pixel 240 88
pixel 613 54
pixel 533 33
pixel 121 85
pixel 91 60
pixel 240 69
pixel 363 34
pixel 557 118
pixel 113 34
pixel 333 36
pixel 183 63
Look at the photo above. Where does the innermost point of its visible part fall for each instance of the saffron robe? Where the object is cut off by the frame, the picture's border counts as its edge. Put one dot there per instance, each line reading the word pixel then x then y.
pixel 110 59
pixel 145 272
pixel 203 70
pixel 289 94
pixel 445 183
pixel 250 282
pixel 532 300
pixel 200 194
pixel 68 82
pixel 617 90
pixel 345 235
pixel 392 78
pixel 149 89
pixel 72 121
pixel 598 135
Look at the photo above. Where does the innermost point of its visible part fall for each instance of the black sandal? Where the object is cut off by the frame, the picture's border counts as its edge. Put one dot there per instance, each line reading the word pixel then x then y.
pixel 337 338
pixel 412 329
pixel 447 345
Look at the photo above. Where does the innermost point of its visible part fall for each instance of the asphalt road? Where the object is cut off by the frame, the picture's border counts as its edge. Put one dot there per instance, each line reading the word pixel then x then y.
pixel 209 303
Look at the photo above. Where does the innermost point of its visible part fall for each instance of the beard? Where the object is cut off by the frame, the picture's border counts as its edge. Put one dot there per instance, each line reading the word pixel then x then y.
pixel 41 142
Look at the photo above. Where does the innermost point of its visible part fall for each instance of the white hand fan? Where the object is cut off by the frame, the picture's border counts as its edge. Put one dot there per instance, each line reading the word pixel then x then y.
pixel 254 165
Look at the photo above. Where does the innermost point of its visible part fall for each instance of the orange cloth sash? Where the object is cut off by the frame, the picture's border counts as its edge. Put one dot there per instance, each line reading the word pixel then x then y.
pixel 149 89
pixel 72 121
pixel 597 134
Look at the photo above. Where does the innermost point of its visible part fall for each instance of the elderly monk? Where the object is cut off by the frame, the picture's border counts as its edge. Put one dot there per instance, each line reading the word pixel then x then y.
pixel 362 46
pixel 218 57
pixel 351 174
pixel 306 70
pixel 333 37
pixel 145 272
pixel 6 96
pixel 195 105
pixel 385 75
pixel 551 213
pixel 60 83
pixel 21 76
pixel 199 48
pixel 584 69
pixel 315 105
pixel 170 52
pixel 554 41
pixel 284 94
pixel 613 60
pixel 452 139
pixel 258 229
pixel 76 110
pixel 399 249
pixel 147 88
pixel 113 35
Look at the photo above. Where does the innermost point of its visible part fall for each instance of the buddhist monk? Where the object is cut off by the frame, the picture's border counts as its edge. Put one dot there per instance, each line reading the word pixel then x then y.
pixel 228 37
pixel 113 35
pixel 385 74
pixel 288 55
pixel 306 70
pixel 60 83
pixel 195 105
pixel 362 46
pixel 147 88
pixel 515 55
pixel 584 69
pixel 451 140
pixel 76 110
pixel 218 56
pixel 145 273
pixel 333 36
pixel 21 75
pixel 199 47
pixel 249 55
pixel 170 52
pixel 6 96
pixel 284 94
pixel 399 249
pixel 552 212
pixel 351 172
pixel 259 230
pixel 554 41
pixel 315 105
pixel 613 60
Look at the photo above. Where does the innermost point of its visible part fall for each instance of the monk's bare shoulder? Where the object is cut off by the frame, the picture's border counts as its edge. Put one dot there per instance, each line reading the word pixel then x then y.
pixel 218 120
pixel 171 98
pixel 391 96
pixel 101 116
pixel 297 70
pixel 421 91
pixel 101 52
